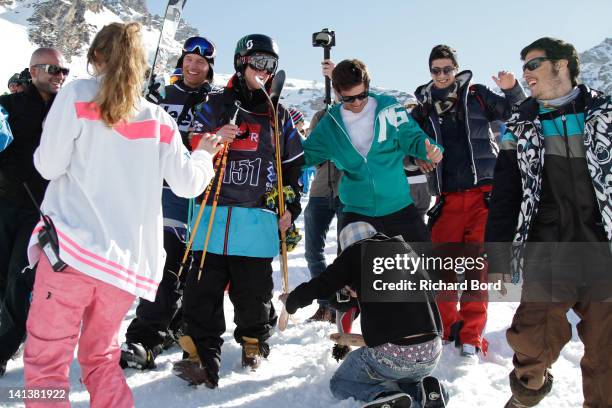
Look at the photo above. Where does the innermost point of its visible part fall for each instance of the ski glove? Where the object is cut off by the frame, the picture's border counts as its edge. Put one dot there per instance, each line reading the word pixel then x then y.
pixel 155 92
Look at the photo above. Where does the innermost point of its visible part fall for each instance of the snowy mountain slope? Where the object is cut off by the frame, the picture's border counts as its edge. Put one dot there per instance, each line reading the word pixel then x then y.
pixel 297 373
pixel 596 66
pixel 71 26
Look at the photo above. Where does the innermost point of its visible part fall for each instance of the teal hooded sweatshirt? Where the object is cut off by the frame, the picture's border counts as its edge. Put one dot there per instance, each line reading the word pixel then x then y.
pixel 373 185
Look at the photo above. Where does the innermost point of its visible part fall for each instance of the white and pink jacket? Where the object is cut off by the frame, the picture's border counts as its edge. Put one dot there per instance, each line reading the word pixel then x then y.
pixel 106 185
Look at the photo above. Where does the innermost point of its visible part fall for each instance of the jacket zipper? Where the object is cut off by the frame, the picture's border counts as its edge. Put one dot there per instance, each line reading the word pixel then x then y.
pixel 227 226
pixel 365 159
pixel 469 139
pixel 436 170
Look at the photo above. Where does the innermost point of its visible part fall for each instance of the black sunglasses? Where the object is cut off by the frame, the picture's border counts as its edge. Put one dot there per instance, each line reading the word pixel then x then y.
pixel 53 69
pixel 535 63
pixel 260 62
pixel 437 71
pixel 353 98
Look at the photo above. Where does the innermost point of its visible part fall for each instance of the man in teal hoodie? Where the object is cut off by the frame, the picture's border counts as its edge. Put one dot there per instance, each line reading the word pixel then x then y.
pixel 367 137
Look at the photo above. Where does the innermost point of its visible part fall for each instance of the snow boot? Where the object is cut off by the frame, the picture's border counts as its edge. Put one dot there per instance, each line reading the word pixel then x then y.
pixel 523 397
pixel 432 393
pixel 390 400
pixel 189 347
pixel 135 355
pixel 251 353
pixel 192 371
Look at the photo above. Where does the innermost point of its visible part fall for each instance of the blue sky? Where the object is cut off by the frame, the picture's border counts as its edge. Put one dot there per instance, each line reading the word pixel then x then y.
pixel 394 37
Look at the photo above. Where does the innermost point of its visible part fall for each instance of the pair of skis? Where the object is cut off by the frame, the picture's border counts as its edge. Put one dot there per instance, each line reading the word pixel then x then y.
pixel 276 88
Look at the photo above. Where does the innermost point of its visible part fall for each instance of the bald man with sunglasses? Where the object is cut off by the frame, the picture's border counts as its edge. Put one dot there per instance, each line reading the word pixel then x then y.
pixel 18 215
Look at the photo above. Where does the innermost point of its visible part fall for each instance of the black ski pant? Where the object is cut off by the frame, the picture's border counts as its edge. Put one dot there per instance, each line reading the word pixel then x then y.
pixel 250 291
pixel 17 222
pixel 154 320
pixel 406 222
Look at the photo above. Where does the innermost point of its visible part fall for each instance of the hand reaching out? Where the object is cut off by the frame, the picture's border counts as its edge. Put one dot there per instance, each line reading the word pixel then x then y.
pixel 504 80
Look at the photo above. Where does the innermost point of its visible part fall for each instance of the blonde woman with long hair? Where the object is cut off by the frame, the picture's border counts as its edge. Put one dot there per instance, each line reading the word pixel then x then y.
pixel 106 151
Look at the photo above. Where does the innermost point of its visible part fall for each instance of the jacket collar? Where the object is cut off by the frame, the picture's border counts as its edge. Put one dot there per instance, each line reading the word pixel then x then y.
pixel 528 110
pixel 464 78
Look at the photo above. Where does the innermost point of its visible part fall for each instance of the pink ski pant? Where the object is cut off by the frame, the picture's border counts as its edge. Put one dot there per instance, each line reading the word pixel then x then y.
pixel 69 307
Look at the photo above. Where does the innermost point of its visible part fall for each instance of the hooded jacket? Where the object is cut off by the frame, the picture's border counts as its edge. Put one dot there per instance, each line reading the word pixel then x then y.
pixel 478 106
pixel 373 185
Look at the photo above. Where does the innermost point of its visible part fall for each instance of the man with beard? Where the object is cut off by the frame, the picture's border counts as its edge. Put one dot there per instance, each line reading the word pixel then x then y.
pixel 552 200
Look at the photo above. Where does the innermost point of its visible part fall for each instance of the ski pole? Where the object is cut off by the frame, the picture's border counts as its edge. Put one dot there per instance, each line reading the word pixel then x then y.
pixel 196 224
pixel 213 209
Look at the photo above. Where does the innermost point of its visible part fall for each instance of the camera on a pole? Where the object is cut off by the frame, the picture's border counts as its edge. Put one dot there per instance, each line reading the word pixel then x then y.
pixel 324 38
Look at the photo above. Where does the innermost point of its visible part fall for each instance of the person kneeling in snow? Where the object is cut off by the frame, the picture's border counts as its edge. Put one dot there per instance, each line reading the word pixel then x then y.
pixel 398 355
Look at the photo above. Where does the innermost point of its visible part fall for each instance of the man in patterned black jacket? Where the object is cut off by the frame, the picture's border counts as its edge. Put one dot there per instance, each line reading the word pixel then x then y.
pixel 552 199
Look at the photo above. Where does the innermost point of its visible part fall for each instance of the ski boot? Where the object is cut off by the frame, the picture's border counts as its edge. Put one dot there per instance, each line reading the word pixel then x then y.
pixel 391 400
pixel 135 355
pixel 3 367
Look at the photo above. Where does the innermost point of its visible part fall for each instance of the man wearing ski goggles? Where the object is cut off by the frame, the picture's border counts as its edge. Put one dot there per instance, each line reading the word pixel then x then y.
pixel 201 46
pixel 261 62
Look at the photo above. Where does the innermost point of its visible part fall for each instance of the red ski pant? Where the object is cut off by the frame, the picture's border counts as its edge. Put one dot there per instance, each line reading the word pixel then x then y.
pixel 462 220
pixel 69 307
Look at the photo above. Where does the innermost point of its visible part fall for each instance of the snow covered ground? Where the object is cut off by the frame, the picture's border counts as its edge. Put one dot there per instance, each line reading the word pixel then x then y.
pixel 300 365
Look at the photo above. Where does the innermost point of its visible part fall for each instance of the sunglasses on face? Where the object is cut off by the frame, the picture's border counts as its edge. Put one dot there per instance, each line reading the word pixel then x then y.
pixel 200 46
pixel 446 70
pixel 53 69
pixel 266 63
pixel 535 63
pixel 353 98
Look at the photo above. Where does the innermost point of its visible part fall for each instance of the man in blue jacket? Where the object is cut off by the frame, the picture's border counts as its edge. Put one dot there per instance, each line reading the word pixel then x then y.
pixel 456 114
